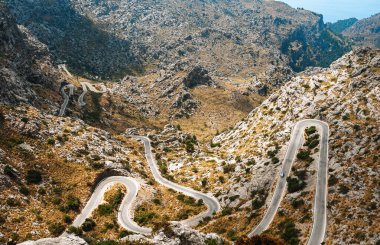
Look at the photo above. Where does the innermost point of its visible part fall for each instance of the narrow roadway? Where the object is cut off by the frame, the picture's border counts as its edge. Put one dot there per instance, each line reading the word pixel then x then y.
pixel 125 212
pixel 211 202
pixel 66 98
pixel 319 211
pixel 91 87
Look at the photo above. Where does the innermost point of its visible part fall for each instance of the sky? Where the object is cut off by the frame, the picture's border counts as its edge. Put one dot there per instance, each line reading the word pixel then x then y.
pixel 334 10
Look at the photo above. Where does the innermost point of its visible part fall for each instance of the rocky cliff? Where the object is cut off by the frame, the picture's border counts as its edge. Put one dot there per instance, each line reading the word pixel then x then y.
pixel 25 62
pixel 365 32
pixel 111 37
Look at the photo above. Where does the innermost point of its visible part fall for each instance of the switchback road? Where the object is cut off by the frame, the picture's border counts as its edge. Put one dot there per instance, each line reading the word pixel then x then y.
pixel 319 210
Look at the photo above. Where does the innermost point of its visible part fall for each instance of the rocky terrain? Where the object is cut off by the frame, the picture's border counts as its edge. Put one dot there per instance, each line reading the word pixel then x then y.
pixel 26 65
pixel 365 32
pixel 216 88
pixel 228 38
pixel 341 25
pixel 239 165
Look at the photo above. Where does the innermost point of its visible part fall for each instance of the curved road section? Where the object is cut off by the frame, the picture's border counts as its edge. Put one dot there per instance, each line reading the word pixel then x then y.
pixel 210 201
pixel 125 212
pixel 91 87
pixel 319 212
pixel 66 98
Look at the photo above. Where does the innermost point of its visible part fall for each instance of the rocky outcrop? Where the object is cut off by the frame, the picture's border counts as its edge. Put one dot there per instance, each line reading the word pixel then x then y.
pixel 107 38
pixel 25 62
pixel 64 240
pixel 75 39
pixel 197 76
pixel 346 96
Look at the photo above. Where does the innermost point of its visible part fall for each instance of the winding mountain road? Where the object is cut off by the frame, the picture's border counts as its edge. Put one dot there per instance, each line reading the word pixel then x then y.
pixel 211 202
pixel 125 212
pixel 66 97
pixel 319 211
pixel 91 87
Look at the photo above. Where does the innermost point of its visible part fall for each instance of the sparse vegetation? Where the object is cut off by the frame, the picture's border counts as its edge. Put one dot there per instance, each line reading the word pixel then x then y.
pixel 294 184
pixel 33 177
pixel 88 225
pixel 289 232
pixel 56 229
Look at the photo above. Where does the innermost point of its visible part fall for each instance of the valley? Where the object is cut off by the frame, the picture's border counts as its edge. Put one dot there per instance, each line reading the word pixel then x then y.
pixel 187 122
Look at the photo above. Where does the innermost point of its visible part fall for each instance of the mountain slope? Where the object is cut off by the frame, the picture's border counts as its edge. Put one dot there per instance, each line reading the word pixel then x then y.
pixel 25 63
pixel 341 25
pixel 365 32
pixel 229 38
pixel 241 165
pixel 75 39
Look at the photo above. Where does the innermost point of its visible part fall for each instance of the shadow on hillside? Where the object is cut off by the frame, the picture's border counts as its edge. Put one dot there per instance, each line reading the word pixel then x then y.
pixel 75 39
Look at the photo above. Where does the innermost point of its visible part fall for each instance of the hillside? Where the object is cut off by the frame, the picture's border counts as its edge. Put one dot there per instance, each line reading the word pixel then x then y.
pixel 26 65
pixel 341 25
pixel 241 38
pixel 170 122
pixel 239 165
pixel 365 32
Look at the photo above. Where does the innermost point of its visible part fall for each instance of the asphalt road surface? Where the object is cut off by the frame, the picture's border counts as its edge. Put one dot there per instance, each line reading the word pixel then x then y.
pixel 125 212
pixel 210 201
pixel 91 87
pixel 66 98
pixel 319 211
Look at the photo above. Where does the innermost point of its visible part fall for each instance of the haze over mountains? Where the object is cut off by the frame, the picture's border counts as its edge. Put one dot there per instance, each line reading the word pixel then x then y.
pixel 217 87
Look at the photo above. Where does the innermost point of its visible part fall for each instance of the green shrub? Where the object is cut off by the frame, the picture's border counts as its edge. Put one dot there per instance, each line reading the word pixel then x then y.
pixel 332 180
pixel 297 203
pixel 33 177
pixel 156 201
pixel 75 230
pixel 144 218
pixel 221 179
pixel 229 168
pixel 231 234
pixel 343 189
pixel 295 184
pixel 251 162
pixel 56 229
pixel 356 127
pixel 310 130
pixel 73 203
pixel 258 203
pixel 88 225
pixel 96 165
pixel 105 209
pixel 213 145
pixel 8 170
pixel 238 158
pixel 273 153
pixel 304 155
pixel 67 219
pixel 124 233
pixel 226 211
pixel 2 220
pixel 346 116
pixel 275 160
pixel 181 197
pixel 289 232
pixel 204 182
pixel 13 202
pixel 24 190
pixel 51 141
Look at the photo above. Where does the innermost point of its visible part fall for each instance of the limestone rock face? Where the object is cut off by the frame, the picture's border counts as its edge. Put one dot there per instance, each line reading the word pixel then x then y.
pixel 65 240
pixel 24 62
pixel 109 38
